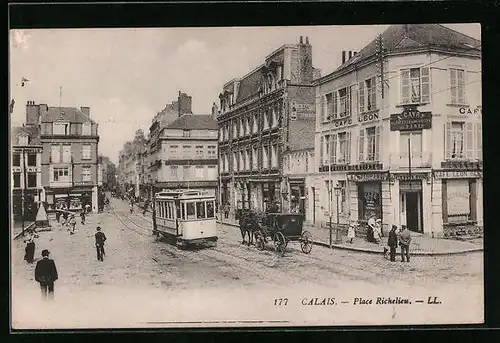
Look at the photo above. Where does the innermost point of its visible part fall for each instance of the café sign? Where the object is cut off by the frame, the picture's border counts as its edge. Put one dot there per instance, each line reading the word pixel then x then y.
pixel 470 111
pixel 366 177
pixel 457 174
pixel 367 117
pixel 411 119
pixel 409 177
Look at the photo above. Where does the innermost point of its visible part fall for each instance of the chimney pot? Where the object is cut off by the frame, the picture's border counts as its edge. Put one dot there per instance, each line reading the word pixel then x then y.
pixel 343 56
pixel 301 41
pixel 354 54
pixel 350 54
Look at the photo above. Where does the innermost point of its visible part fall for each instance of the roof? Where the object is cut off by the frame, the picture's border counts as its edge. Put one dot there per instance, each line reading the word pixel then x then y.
pixel 399 38
pixel 302 134
pixel 194 122
pixel 32 131
pixel 249 85
pixel 71 114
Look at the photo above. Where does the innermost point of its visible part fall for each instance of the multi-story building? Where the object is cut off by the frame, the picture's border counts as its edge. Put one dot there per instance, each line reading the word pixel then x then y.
pixel 261 116
pixel 188 159
pixel 153 154
pixel 107 172
pixel 130 164
pixel 69 138
pixel 26 171
pixel 399 132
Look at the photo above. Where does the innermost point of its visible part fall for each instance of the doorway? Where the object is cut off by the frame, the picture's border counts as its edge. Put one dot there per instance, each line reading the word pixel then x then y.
pixel 413 210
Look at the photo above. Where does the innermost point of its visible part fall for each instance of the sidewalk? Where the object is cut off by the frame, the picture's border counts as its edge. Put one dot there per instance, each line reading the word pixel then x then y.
pixel 420 244
pixel 17 227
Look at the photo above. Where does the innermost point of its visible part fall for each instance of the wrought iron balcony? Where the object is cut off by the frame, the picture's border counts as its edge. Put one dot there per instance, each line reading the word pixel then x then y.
pixel 418 160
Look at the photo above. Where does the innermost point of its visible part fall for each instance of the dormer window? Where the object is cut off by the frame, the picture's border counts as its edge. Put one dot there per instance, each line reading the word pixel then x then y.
pixel 23 140
pixel 86 129
pixel 60 128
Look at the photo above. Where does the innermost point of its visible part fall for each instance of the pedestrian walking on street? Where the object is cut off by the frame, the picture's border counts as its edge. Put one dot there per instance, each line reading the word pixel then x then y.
pixel 58 215
pixel 146 205
pixel 72 223
pixel 82 215
pixel 351 232
pixel 392 242
pixel 100 238
pixel 30 246
pixel 131 207
pixel 46 275
pixel 404 243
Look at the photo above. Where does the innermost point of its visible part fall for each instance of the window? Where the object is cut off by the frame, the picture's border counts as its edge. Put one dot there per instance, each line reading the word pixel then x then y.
pixel 86 174
pixel 274 156
pixel 255 159
pixel 212 173
pixel 190 210
pixel 330 149
pixel 249 123
pixel 371 94
pixel 457 82
pixel 174 171
pixel 331 106
pixel 199 150
pixel 265 157
pixel 415 138
pixel 173 150
pixel 186 172
pixel 457 140
pixel 186 150
pixel 275 117
pixel 31 180
pixel 32 160
pixel 60 128
pixel 212 151
pixel 235 130
pixel 343 197
pixel 23 140
pixel 266 120
pixel 344 102
pixel 186 133
pixel 369 144
pixel 255 123
pixel 344 147
pixel 55 154
pixel 235 162
pixel 221 134
pixel 248 154
pixel 60 175
pixel 86 152
pixel 200 210
pixel 199 172
pixel 210 209
pixel 86 129
pixel 66 156
pixel 242 127
pixel 17 179
pixel 415 86
pixel 16 160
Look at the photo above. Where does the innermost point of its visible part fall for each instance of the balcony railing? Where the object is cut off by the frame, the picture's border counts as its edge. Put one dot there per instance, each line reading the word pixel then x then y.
pixel 418 160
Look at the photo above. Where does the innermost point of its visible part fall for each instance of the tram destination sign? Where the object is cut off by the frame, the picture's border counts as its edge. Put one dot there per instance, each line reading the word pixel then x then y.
pixel 411 119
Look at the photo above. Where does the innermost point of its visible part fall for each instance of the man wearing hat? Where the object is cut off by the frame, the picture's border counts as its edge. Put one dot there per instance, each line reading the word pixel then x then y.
pixel 392 242
pixel 404 242
pixel 100 238
pixel 46 274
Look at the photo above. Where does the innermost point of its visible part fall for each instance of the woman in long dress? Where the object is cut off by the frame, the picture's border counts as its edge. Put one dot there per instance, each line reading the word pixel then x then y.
pixel 30 247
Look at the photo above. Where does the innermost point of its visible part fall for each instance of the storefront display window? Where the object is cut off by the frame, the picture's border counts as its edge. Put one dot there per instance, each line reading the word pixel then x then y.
pixel 459 202
pixel 369 200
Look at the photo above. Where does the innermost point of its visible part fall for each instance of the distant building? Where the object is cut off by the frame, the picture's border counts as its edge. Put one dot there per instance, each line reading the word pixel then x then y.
pixel 261 119
pixel 130 168
pixel 69 138
pixel 187 154
pixel 26 171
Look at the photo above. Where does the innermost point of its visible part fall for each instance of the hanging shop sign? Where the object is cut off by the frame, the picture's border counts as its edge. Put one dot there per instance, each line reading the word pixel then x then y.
pixel 409 177
pixel 367 117
pixel 470 111
pixel 457 174
pixel 367 177
pixel 411 119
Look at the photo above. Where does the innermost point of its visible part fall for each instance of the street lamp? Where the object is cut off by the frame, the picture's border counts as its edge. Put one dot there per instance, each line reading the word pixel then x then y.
pixel 337 189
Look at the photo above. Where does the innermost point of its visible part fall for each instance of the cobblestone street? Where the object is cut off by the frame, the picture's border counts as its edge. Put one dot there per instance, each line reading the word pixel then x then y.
pixel 137 264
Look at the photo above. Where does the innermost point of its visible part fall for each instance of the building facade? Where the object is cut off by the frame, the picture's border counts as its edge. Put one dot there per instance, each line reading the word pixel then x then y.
pixel 188 154
pixel 26 172
pixel 69 138
pixel 398 130
pixel 259 118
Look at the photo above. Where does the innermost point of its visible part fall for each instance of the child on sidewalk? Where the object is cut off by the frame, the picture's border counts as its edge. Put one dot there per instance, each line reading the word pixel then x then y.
pixel 351 233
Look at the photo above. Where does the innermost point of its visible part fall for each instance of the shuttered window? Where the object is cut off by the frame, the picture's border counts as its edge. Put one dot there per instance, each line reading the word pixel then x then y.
pixel 457 86
pixel 361 143
pixel 361 97
pixel 469 140
pixel 55 154
pixel 415 85
pixel 321 150
pixel 479 141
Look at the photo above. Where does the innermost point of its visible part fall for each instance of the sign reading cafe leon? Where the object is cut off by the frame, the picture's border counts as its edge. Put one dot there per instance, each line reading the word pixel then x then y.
pixel 411 119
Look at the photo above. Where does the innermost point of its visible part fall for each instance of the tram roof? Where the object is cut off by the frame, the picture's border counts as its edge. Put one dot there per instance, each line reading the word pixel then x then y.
pixel 183 194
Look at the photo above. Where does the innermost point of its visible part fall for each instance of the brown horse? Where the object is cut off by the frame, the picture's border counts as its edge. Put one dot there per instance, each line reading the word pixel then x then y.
pixel 250 222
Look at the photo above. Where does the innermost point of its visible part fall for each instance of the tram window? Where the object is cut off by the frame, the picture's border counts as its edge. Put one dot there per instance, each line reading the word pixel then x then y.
pixel 190 210
pixel 200 210
pixel 210 209
pixel 179 211
pixel 170 210
pixel 183 210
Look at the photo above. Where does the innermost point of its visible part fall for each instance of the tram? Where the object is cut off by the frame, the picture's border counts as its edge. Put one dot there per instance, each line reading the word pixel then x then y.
pixel 186 216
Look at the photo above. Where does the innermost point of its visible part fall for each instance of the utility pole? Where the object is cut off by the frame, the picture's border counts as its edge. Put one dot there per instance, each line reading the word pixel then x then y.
pixel 23 200
pixel 381 66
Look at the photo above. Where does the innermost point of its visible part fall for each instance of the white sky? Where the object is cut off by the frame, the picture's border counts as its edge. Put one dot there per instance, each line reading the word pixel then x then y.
pixel 126 76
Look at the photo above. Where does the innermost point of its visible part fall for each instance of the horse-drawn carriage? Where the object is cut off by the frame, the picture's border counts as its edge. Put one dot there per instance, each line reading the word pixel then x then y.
pixel 280 228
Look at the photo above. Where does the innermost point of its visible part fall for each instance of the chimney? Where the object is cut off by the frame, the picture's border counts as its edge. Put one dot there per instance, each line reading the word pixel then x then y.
pixel 43 109
pixel 32 113
pixel 343 56
pixel 301 41
pixel 307 40
pixel 354 53
pixel 350 54
pixel 86 111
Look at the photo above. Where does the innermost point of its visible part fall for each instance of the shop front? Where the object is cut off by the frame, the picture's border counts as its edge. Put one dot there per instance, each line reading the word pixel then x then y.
pixel 73 199
pixel 263 192
pixel 461 201
pixel 297 195
pixel 367 193
pixel 30 205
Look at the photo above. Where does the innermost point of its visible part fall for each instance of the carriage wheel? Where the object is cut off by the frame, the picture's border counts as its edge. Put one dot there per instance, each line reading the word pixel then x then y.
pixel 280 243
pixel 259 241
pixel 306 242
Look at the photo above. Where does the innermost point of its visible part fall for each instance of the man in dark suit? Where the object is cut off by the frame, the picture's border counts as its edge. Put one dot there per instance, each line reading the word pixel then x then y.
pixel 100 238
pixel 392 242
pixel 46 274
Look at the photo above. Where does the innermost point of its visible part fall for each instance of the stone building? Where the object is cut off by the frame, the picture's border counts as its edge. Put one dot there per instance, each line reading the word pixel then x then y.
pixel 260 116
pixel 70 139
pixel 398 129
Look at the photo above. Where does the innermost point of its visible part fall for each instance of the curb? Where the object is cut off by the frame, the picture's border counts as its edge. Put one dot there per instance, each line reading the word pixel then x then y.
pixel 373 251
